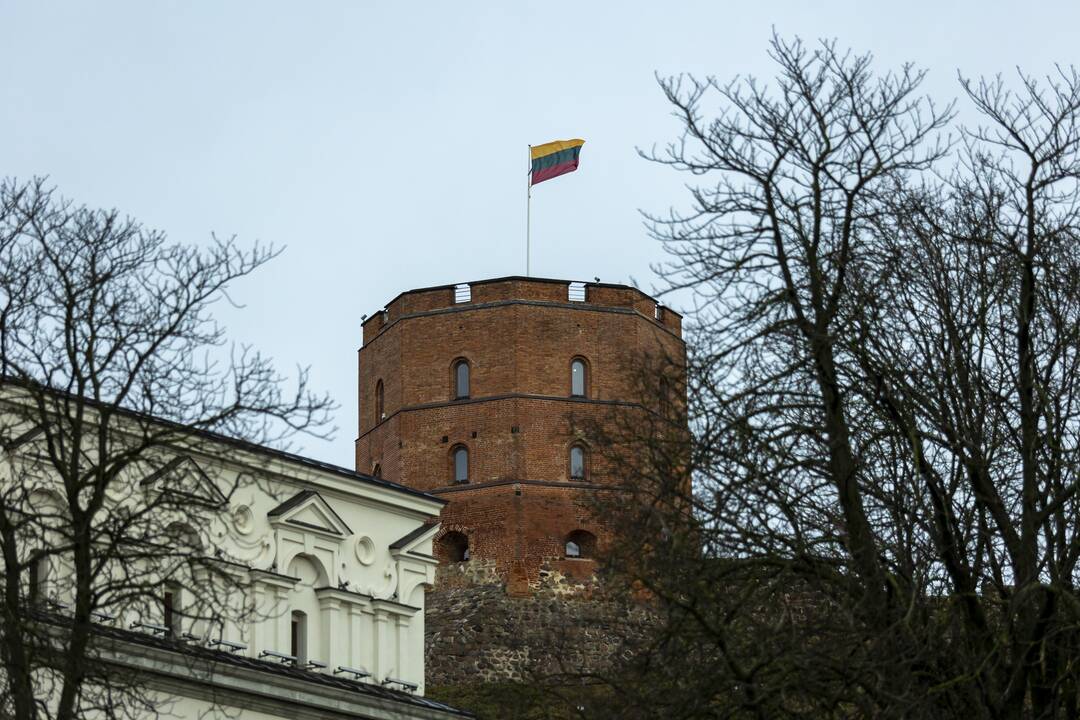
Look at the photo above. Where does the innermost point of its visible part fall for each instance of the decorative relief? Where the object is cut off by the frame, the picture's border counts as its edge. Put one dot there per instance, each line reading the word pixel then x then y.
pixel 265 558
pixel 252 541
pixel 388 587
pixel 343 577
pixel 243 520
pixel 365 550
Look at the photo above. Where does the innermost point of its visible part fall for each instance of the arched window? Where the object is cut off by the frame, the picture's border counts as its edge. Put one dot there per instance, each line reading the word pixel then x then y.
pixel 309 569
pixel 39 577
pixel 298 637
pixel 460 457
pixel 580 544
pixel 578 378
pixel 453 547
pixel 380 412
pixel 461 379
pixel 171 609
pixel 577 462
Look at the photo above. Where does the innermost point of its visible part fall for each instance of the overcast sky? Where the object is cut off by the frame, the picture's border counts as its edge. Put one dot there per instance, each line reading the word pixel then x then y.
pixel 384 144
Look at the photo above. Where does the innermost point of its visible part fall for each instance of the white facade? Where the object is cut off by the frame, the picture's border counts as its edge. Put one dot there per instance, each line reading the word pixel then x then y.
pixel 328 569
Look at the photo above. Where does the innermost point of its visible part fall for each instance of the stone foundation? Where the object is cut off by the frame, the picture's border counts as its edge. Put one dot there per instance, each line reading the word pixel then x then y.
pixel 565 625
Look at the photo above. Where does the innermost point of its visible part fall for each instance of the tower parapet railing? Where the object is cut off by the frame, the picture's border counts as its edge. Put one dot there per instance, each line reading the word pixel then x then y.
pixel 518 288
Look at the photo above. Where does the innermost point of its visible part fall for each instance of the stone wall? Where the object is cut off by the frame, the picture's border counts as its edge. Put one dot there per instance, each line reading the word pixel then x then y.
pixel 477 633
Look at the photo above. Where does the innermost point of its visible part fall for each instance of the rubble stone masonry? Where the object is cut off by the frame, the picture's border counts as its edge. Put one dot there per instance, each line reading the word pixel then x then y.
pixel 476 633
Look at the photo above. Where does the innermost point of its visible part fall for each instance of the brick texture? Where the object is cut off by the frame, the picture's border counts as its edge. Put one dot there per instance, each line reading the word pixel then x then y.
pixel 519 337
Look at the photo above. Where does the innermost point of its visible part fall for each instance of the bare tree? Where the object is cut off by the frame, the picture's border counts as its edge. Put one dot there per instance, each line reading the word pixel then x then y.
pixel 802 171
pixel 882 390
pixel 969 347
pixel 114 372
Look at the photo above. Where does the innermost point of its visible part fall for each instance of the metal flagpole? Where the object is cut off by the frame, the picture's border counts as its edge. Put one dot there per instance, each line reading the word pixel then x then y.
pixel 528 214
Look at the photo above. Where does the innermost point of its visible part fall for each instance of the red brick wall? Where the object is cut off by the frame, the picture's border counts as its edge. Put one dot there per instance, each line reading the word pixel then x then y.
pixel 519 336
pixel 523 526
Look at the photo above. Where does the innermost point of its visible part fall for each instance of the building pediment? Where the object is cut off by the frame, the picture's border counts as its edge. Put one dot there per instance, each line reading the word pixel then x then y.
pixel 183 477
pixel 310 511
pixel 410 542
pixel 11 442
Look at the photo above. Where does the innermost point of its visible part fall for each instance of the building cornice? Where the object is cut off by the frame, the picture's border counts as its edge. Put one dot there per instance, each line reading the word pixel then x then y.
pixel 236 455
pixel 500 397
pixel 469 307
pixel 276 579
pixel 189 670
pixel 528 279
pixel 247 687
pixel 560 484
pixel 185 431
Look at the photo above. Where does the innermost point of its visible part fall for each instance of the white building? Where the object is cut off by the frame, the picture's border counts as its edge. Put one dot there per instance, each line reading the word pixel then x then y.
pixel 326 570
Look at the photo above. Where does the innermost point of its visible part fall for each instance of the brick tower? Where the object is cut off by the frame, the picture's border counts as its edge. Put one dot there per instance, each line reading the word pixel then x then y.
pixel 466 391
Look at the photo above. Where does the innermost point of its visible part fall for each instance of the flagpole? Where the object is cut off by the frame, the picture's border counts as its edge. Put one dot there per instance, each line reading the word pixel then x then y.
pixel 528 213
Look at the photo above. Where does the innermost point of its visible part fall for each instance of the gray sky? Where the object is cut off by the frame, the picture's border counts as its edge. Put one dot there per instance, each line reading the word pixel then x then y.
pixel 385 143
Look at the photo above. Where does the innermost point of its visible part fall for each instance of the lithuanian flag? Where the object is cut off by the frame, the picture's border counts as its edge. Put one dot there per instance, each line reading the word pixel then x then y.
pixel 554 159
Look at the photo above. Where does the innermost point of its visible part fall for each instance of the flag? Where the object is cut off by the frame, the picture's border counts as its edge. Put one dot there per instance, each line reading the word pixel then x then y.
pixel 554 159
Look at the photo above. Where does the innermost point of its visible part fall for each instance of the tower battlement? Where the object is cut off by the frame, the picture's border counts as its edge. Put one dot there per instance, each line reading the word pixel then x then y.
pixel 520 289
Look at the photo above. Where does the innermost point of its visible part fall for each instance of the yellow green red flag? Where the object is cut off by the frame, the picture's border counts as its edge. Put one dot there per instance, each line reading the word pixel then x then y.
pixel 554 159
